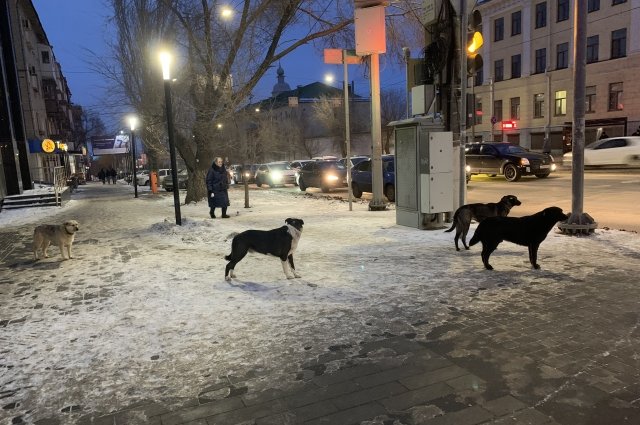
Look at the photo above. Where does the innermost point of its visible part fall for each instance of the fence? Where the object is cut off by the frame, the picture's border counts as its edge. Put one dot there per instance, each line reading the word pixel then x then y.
pixel 59 183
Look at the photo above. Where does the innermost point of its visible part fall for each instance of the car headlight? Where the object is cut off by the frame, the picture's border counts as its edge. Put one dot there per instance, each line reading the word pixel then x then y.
pixel 524 161
pixel 553 167
pixel 276 175
pixel 468 168
pixel 331 177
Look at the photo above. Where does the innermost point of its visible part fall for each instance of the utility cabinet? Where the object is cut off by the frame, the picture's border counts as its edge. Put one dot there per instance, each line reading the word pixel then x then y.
pixel 424 173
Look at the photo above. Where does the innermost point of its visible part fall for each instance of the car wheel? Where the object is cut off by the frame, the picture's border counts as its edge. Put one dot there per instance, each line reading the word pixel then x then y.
pixel 511 173
pixel 258 182
pixel 355 189
pixel 390 193
pixel 325 189
pixel 542 176
pixel 633 160
pixel 168 189
pixel 301 185
pixel 146 183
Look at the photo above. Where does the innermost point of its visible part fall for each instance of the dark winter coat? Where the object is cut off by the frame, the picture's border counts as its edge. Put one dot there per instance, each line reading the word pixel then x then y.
pixel 217 183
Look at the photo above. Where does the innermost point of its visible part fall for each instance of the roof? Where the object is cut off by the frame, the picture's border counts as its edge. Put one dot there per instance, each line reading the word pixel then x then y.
pixel 313 91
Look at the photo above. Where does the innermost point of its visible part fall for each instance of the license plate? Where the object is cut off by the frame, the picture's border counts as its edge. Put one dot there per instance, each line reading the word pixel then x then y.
pixel 545 166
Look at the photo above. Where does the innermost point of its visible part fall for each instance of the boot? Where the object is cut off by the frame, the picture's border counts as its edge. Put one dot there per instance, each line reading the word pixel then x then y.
pixel 224 213
pixel 212 213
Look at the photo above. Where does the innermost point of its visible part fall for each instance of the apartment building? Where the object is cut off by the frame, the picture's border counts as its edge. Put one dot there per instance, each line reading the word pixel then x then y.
pixel 527 75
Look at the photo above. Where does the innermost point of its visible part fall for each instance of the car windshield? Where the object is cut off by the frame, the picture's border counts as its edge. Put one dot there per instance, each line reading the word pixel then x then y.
pixel 507 148
pixel 279 167
pixel 335 165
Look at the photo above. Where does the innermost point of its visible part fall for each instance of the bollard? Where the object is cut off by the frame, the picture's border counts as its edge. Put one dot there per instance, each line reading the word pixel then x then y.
pixel 153 181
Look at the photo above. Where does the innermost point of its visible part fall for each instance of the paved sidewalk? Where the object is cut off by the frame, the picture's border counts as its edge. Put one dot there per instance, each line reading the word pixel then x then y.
pixel 535 354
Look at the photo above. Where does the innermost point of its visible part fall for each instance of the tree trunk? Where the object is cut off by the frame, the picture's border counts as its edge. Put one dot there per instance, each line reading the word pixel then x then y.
pixel 196 186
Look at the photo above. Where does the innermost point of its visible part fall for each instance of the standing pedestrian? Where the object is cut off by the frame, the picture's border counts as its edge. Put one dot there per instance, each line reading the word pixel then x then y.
pixel 604 135
pixel 102 174
pixel 112 175
pixel 217 185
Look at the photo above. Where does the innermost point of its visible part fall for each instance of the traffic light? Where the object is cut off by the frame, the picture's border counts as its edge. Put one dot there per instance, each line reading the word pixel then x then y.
pixel 474 42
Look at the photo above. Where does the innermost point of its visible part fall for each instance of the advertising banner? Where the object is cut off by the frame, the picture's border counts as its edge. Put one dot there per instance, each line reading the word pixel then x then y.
pixel 109 145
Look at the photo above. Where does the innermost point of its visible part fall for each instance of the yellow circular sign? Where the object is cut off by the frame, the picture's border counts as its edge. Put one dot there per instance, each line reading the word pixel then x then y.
pixel 48 145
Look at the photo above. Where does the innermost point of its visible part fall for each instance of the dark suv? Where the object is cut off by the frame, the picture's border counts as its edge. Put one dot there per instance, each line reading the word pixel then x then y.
pixel 510 160
pixel 361 176
pixel 326 175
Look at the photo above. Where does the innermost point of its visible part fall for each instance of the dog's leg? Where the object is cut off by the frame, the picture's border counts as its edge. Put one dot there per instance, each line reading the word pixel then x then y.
pixel 293 268
pixel 228 270
pixel 455 239
pixel 45 246
pixel 487 249
pixel 533 255
pixel 464 236
pixel 69 250
pixel 62 250
pixel 285 268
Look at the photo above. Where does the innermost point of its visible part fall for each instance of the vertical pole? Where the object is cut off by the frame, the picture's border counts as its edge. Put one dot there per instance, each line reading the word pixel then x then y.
pixel 407 57
pixel 579 80
pixel 347 136
pixel 473 110
pixel 376 203
pixel 462 175
pixel 133 154
pixel 245 178
pixel 172 151
pixel 493 110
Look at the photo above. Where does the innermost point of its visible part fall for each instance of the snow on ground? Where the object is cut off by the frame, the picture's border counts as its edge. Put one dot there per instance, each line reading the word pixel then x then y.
pixel 144 312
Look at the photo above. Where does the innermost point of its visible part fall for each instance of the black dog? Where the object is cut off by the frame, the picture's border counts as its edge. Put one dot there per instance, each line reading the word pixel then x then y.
pixel 478 212
pixel 281 242
pixel 528 231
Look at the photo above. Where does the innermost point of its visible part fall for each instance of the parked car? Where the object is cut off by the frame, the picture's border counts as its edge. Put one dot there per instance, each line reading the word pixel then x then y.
pixel 326 175
pixel 275 174
pixel 235 173
pixel 355 160
pixel 183 176
pixel 511 161
pixel 611 151
pixel 144 179
pixel 361 178
pixel 297 165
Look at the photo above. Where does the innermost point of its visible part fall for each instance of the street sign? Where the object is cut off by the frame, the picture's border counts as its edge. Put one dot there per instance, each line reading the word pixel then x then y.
pixel 508 125
pixel 494 120
pixel 334 56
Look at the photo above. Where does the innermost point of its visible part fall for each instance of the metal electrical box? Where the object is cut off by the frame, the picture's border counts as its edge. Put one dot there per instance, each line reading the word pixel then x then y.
pixel 424 173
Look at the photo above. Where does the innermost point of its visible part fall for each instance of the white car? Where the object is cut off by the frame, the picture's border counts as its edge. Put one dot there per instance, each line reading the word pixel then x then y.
pixel 144 179
pixel 611 151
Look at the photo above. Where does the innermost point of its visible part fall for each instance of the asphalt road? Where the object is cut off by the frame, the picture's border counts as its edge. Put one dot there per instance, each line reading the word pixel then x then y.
pixel 609 195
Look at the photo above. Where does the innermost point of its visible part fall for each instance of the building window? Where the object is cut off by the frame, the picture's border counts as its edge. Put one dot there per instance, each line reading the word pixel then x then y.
pixel 590 99
pixel 563 10
pixel 541 15
pixel 497 110
pixel 499 70
pixel 516 66
pixel 516 23
pixel 615 97
pixel 619 43
pixel 538 105
pixel 498 29
pixel 479 78
pixel 562 56
pixel 593 5
pixel 478 111
pixel 45 57
pixel 615 2
pixel 515 108
pixel 561 103
pixel 593 44
pixel 541 60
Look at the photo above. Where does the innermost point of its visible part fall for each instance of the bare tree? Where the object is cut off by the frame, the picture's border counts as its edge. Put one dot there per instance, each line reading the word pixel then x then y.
pixel 392 105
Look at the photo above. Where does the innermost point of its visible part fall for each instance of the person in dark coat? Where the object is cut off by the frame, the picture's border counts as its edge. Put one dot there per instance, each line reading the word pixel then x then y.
pixel 102 174
pixel 113 175
pixel 217 185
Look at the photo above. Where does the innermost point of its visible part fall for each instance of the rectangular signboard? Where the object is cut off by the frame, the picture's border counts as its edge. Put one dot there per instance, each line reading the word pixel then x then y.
pixel 109 145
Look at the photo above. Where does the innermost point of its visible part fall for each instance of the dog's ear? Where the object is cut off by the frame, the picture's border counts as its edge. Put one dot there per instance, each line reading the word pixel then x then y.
pixel 288 220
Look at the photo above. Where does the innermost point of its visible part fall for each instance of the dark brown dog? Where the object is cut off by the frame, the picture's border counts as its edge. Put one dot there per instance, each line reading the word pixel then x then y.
pixel 463 215
pixel 528 231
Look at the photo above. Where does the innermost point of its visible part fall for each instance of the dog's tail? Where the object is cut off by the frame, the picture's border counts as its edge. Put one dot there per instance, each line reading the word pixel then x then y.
pixel 455 220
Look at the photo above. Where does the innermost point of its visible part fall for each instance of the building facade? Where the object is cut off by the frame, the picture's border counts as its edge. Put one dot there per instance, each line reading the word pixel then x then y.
pixel 527 75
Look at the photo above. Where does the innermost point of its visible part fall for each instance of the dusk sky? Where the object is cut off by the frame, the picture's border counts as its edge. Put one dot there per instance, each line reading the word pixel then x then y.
pixel 78 29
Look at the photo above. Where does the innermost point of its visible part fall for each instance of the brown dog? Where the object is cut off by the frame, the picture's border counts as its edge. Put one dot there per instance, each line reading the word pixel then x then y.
pixel 528 231
pixel 61 235
pixel 463 215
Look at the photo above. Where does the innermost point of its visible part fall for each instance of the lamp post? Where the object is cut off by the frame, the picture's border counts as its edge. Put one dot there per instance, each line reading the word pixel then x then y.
pixel 133 121
pixel 165 60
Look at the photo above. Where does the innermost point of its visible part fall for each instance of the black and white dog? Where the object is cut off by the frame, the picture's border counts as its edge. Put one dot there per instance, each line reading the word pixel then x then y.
pixel 281 242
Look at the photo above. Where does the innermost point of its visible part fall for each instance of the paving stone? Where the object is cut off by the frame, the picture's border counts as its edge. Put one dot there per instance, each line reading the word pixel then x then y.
pixel 346 374
pixel 315 410
pixel 417 397
pixel 370 394
pixel 504 405
pixel 248 413
pixel 471 416
pixel 439 375
pixel 388 375
pixel 314 395
pixel 350 416
pixel 201 411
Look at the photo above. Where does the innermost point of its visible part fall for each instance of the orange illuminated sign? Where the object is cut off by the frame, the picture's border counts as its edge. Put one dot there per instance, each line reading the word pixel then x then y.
pixel 48 145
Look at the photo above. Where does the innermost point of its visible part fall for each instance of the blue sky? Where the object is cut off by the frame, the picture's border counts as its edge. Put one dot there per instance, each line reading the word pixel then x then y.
pixel 75 26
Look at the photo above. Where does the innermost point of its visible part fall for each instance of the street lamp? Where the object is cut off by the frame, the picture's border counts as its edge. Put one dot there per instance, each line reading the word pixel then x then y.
pixel 133 121
pixel 165 60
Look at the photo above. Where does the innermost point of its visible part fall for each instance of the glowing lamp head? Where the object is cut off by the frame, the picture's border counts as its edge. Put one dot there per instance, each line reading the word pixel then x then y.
pixel 165 61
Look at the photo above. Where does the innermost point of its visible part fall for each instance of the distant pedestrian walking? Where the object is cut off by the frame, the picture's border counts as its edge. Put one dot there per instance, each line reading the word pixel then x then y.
pixel 604 135
pixel 102 175
pixel 113 174
pixel 217 185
